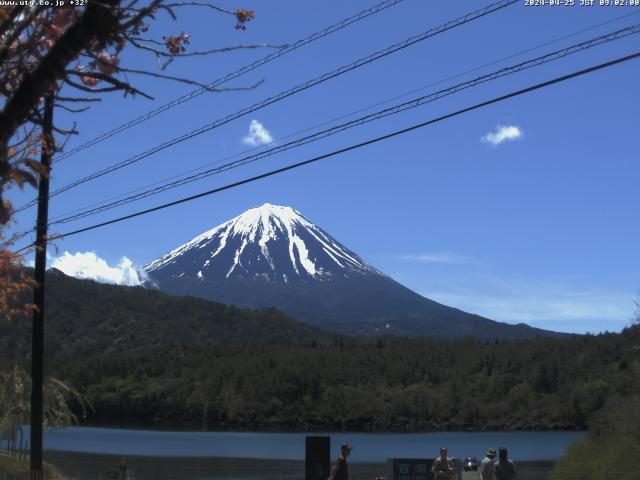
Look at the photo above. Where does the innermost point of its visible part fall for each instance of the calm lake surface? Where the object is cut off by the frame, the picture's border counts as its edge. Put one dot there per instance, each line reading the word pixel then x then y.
pixel 369 447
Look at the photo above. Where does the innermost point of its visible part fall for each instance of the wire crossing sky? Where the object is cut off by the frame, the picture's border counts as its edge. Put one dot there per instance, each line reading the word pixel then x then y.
pixel 494 7
pixel 520 211
pixel 238 73
pixel 414 103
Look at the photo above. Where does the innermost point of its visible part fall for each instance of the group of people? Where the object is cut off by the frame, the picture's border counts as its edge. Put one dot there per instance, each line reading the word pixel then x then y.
pixel 443 467
pixel 501 469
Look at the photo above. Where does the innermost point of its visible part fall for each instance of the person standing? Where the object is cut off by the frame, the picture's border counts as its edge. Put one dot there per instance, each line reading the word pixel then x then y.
pixel 486 466
pixel 340 471
pixel 504 469
pixel 443 467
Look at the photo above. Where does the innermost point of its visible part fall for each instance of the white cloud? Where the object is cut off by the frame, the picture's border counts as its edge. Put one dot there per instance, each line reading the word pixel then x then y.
pixel 549 308
pixel 502 134
pixel 442 257
pixel 258 135
pixel 88 265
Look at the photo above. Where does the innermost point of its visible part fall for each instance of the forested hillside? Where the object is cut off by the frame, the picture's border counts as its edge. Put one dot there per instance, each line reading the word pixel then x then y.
pixel 147 355
pixel 84 317
pixel 389 384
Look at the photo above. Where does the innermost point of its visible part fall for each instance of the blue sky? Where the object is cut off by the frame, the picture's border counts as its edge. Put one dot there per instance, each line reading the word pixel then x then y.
pixel 540 228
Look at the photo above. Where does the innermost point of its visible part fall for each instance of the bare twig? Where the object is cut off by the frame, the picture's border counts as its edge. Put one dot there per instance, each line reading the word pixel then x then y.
pixel 117 84
pixel 18 29
pixel 65 132
pixel 199 4
pixel 15 12
pixel 66 140
pixel 77 99
pixel 84 88
pixel 144 12
pixel 189 81
pixel 72 110
pixel 161 53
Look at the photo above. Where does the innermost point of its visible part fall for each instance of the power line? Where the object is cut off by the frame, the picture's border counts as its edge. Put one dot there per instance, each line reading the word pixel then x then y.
pixel 414 103
pixel 285 94
pixel 486 103
pixel 230 76
pixel 129 194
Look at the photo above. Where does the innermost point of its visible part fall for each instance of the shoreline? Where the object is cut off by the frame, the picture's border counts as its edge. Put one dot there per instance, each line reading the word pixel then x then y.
pixel 171 426
pixel 147 468
pixel 106 457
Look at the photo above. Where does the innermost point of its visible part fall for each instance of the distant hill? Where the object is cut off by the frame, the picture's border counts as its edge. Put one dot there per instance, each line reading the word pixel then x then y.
pixel 272 256
pixel 84 317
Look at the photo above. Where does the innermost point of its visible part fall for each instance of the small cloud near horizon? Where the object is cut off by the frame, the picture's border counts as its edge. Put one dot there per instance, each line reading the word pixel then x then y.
pixel 564 311
pixel 502 134
pixel 258 135
pixel 89 266
pixel 442 257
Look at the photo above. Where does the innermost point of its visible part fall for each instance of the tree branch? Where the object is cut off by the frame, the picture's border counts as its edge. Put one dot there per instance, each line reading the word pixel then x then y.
pixel 161 53
pixel 119 84
pixel 190 82
pixel 18 29
pixel 199 4
pixel 77 99
pixel 97 24
pixel 144 12
pixel 114 88
pixel 15 11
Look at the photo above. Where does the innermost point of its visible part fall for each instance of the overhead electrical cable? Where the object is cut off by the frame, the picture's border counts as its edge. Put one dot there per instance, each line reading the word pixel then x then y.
pixel 230 76
pixel 341 117
pixel 333 153
pixel 285 94
pixel 416 102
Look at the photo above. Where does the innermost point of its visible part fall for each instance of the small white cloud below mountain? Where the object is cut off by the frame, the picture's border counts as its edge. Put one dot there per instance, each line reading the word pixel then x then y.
pixel 89 266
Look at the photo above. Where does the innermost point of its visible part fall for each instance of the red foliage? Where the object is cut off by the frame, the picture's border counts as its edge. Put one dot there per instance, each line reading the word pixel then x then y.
pixel 243 16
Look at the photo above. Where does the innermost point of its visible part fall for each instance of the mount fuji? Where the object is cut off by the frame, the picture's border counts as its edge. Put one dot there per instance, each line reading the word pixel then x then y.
pixel 272 256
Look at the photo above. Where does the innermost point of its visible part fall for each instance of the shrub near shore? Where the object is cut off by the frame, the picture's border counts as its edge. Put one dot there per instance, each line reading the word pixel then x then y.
pixel 15 469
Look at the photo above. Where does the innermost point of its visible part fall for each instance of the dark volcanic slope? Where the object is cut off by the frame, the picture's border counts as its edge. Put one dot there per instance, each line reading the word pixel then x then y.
pixel 272 256
pixel 84 317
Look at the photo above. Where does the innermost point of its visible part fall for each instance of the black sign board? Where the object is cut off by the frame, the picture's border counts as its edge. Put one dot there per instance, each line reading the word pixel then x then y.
pixel 414 469
pixel 112 474
pixel 317 461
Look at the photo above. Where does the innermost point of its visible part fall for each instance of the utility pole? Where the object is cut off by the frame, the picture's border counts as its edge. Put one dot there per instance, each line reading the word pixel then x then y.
pixel 37 335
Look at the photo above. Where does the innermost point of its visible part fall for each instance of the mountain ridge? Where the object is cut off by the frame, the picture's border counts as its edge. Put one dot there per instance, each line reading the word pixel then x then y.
pixel 84 316
pixel 273 256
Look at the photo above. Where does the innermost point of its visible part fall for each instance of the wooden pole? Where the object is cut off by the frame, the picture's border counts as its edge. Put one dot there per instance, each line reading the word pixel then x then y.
pixel 37 335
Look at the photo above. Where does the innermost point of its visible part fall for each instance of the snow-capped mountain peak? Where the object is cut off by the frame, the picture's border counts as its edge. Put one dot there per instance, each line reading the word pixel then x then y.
pixel 272 241
pixel 273 256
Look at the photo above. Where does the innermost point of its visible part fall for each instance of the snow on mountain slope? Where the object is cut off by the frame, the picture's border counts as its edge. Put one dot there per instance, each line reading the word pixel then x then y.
pixel 275 242
pixel 272 256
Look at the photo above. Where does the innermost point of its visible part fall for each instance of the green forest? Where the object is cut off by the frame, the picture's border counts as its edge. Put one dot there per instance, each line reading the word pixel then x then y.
pixel 150 357
pixel 142 354
pixel 387 384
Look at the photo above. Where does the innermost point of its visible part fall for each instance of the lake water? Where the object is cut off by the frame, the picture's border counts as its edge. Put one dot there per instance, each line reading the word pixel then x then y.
pixel 369 447
pixel 94 453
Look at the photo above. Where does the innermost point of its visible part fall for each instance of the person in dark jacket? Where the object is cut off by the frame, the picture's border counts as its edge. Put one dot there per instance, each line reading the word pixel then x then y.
pixel 503 468
pixel 340 471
